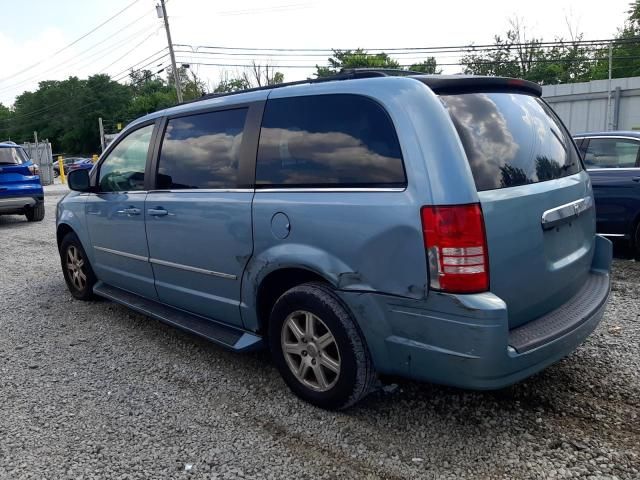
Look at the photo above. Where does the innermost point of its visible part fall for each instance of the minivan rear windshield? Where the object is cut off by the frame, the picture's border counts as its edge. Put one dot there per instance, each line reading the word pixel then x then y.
pixel 12 156
pixel 511 139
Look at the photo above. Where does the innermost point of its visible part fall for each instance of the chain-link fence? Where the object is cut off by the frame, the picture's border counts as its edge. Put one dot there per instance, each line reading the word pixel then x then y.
pixel 41 154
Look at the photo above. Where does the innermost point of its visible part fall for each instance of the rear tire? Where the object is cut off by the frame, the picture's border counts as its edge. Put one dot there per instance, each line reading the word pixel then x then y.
pixel 326 361
pixel 36 213
pixel 76 268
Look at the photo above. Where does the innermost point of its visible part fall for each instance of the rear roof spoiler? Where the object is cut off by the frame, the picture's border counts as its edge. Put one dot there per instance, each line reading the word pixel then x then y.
pixel 452 84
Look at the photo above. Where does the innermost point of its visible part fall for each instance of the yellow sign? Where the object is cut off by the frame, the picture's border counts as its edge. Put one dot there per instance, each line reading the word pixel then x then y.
pixel 119 126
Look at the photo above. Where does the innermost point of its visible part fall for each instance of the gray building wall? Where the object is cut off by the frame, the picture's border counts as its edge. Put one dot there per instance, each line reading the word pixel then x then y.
pixel 583 106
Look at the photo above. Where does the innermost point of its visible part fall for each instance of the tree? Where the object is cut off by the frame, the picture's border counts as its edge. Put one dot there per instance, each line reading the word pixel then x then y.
pixel 258 75
pixel 358 58
pixel 516 55
pixel 5 119
pixel 429 66
pixel 625 49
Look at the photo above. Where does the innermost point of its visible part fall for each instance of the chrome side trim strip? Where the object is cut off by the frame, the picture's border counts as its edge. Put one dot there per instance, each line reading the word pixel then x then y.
pixel 554 216
pixel 206 190
pixel 123 254
pixel 192 269
pixel 614 169
pixel 618 137
pixel 612 234
pixel 323 190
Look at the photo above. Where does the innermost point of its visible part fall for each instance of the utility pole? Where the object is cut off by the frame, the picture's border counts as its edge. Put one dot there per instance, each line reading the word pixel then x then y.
pixel 609 122
pixel 176 75
pixel 101 128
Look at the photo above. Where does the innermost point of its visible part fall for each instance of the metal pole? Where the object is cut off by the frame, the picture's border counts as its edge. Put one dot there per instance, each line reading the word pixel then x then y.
pixel 101 134
pixel 176 76
pixel 609 88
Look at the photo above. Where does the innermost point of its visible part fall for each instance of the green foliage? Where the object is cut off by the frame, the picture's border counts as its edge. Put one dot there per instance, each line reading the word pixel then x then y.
pixel 625 51
pixel 429 66
pixel 516 56
pixel 358 58
pixel 231 85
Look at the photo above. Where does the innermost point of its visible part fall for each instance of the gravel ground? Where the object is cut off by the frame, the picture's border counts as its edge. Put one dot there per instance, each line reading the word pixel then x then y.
pixel 93 390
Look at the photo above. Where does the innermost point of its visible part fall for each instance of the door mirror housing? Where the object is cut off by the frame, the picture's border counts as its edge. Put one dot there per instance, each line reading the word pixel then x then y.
pixel 78 180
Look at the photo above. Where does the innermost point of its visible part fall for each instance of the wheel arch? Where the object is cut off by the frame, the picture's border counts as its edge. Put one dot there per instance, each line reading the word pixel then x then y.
pixel 277 282
pixel 62 231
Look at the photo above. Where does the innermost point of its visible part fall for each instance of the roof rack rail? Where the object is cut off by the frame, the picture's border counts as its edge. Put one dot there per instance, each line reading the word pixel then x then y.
pixel 344 74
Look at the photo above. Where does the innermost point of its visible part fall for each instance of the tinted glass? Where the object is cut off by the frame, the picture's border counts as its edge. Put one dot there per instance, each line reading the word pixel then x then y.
pixel 611 153
pixel 202 151
pixel 328 140
pixel 12 156
pixel 511 139
pixel 123 169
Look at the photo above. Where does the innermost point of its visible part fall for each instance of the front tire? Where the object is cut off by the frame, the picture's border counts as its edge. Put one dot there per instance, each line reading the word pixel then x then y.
pixel 76 268
pixel 36 213
pixel 318 348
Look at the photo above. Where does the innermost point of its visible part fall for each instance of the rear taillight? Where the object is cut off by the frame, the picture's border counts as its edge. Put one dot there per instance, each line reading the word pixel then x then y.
pixel 34 169
pixel 456 245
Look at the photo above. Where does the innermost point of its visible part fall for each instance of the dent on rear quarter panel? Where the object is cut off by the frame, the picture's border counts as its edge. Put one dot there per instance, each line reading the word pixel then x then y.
pixel 366 241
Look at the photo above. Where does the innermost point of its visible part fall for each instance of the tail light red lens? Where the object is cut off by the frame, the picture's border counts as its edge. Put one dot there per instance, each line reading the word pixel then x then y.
pixel 456 244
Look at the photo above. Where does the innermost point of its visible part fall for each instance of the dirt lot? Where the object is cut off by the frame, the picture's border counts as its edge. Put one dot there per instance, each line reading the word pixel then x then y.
pixel 93 390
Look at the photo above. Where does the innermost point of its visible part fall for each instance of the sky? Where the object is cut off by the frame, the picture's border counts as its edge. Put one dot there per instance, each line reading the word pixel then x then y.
pixel 40 39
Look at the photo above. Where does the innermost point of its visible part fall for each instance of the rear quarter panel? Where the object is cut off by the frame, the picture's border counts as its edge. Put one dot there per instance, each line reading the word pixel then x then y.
pixel 365 240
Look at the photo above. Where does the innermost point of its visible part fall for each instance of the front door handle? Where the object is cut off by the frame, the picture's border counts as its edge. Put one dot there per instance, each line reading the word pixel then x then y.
pixel 635 179
pixel 130 211
pixel 157 212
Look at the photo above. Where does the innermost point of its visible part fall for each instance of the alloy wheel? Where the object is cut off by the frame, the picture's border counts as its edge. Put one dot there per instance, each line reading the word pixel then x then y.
pixel 75 267
pixel 310 350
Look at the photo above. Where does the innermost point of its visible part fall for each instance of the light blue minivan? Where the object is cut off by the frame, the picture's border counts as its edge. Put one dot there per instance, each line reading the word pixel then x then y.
pixel 439 228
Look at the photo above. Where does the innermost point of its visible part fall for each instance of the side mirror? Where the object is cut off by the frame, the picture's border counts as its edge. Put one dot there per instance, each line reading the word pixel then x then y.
pixel 78 180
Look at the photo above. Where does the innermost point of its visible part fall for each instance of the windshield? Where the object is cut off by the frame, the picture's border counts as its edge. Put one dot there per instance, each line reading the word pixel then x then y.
pixel 511 139
pixel 12 156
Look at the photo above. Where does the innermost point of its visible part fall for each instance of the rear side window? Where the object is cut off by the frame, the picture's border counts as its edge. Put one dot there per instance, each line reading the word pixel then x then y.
pixel 201 151
pixel 328 141
pixel 611 153
pixel 12 156
pixel 511 139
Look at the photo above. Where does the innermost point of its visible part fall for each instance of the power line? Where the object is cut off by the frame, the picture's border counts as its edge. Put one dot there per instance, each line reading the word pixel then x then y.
pixel 129 51
pixel 30 115
pixel 93 30
pixel 426 49
pixel 110 48
pixel 127 70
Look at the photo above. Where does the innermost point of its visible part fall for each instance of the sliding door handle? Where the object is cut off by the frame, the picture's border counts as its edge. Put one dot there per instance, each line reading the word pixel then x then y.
pixel 130 211
pixel 157 212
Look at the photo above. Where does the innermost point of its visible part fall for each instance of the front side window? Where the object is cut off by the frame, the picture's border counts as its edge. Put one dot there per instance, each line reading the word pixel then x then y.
pixel 611 153
pixel 201 151
pixel 328 141
pixel 123 169
pixel 12 156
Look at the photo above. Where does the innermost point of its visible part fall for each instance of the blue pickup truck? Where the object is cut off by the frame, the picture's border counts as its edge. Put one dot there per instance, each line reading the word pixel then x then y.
pixel 21 192
pixel 613 162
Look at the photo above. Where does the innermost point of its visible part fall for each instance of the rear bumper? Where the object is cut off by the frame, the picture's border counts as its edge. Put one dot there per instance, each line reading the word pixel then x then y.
pixel 465 341
pixel 19 204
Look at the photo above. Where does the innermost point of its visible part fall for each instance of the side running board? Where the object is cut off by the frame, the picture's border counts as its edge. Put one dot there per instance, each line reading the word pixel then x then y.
pixel 225 335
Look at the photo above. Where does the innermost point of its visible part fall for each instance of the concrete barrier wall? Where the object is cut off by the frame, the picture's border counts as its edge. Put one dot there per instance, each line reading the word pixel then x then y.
pixel 583 106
